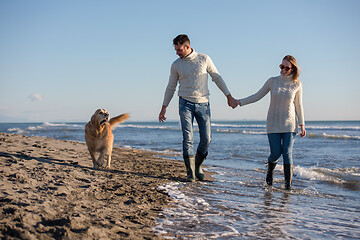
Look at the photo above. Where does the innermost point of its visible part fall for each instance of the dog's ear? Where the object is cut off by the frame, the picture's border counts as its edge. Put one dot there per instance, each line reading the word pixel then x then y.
pixel 94 117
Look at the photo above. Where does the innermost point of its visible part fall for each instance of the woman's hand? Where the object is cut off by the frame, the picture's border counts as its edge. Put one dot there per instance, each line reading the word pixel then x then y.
pixel 303 131
pixel 162 113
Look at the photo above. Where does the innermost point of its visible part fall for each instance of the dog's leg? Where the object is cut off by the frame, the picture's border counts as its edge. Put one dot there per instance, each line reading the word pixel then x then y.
pixel 92 154
pixel 100 161
pixel 108 160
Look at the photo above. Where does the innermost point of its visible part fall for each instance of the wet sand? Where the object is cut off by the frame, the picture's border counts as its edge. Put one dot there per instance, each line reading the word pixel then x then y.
pixel 49 190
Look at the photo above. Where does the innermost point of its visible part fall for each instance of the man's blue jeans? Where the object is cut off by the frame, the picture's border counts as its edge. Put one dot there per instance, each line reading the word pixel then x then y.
pixel 201 112
pixel 281 144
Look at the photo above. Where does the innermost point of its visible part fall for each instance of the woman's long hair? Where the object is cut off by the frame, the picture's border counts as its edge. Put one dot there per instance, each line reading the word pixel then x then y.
pixel 295 68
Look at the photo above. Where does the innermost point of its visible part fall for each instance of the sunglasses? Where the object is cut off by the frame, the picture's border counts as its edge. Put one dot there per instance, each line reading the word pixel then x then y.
pixel 282 67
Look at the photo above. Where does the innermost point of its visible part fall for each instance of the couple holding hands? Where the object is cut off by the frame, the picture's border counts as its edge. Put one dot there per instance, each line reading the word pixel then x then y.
pixel 285 112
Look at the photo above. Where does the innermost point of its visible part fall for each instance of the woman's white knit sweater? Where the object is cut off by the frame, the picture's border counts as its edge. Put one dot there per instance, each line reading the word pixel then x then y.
pixel 285 104
pixel 192 74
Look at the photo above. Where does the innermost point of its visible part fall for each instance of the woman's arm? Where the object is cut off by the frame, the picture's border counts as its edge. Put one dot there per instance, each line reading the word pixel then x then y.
pixel 257 96
pixel 303 131
pixel 300 111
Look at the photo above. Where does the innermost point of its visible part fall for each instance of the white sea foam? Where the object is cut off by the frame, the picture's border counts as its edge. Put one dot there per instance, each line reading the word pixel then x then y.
pixel 240 131
pixel 125 146
pixel 254 133
pixel 47 124
pixel 33 128
pixel 312 173
pixel 147 127
pixel 331 136
pixel 238 125
pixel 315 173
pixel 310 135
pixel 227 131
pixel 169 152
pixel 173 190
pixel 16 130
pixel 309 173
pixel 309 127
pixel 189 211
pixel 311 191
pixel 349 171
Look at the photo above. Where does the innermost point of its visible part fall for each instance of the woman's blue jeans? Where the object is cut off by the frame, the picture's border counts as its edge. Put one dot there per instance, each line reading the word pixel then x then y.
pixel 201 112
pixel 281 144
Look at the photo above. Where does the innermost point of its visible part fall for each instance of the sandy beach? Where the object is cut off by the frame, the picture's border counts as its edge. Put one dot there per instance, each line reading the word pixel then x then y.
pixel 49 190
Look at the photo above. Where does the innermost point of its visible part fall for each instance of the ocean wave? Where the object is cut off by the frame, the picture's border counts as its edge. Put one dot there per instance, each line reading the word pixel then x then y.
pixel 147 127
pixel 331 136
pixel 227 131
pixel 238 125
pixel 310 135
pixel 313 174
pixel 47 124
pixel 240 131
pixel 252 132
pixel 347 177
pixel 16 130
pixel 355 171
pixel 350 128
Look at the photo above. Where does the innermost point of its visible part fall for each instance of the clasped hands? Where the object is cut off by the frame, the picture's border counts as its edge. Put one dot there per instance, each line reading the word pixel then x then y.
pixel 232 102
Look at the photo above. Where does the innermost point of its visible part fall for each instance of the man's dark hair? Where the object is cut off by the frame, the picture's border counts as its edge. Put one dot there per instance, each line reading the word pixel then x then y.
pixel 181 39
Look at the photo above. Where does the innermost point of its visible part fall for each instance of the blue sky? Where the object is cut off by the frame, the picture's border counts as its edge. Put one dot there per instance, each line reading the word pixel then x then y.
pixel 61 60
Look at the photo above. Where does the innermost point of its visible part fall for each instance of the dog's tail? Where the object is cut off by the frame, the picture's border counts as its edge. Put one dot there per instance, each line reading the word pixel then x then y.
pixel 118 119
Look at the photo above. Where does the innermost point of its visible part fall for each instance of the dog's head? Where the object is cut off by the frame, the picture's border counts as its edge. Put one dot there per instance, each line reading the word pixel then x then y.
pixel 101 116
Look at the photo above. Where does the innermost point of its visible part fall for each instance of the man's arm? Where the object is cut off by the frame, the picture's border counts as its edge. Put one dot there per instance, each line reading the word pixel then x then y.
pixel 216 77
pixel 169 92
pixel 171 87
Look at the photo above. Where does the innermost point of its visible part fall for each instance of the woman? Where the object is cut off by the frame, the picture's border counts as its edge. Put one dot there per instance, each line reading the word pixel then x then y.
pixel 281 124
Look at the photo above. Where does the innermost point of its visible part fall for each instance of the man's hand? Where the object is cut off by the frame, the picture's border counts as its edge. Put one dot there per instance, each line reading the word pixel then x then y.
pixel 162 113
pixel 232 102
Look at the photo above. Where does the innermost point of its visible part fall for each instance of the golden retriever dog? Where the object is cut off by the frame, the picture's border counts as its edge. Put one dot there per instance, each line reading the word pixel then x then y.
pixel 99 137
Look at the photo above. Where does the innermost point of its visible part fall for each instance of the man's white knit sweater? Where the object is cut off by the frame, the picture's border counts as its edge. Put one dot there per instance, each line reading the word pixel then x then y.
pixel 192 74
pixel 285 104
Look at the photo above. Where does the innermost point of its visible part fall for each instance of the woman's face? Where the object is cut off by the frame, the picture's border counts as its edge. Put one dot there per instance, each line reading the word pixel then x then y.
pixel 286 68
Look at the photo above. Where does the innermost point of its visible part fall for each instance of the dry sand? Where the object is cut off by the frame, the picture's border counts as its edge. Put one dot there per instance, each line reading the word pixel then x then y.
pixel 49 190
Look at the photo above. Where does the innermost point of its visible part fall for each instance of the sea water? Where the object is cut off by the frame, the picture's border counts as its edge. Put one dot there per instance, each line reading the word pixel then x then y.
pixel 323 204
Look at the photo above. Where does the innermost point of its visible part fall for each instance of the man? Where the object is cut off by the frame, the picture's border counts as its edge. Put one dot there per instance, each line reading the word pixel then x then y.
pixel 191 72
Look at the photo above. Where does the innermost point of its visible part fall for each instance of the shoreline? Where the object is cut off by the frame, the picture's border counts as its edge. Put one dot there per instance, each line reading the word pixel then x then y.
pixel 49 189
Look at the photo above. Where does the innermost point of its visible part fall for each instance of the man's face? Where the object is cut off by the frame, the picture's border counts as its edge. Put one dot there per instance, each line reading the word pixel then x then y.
pixel 182 50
